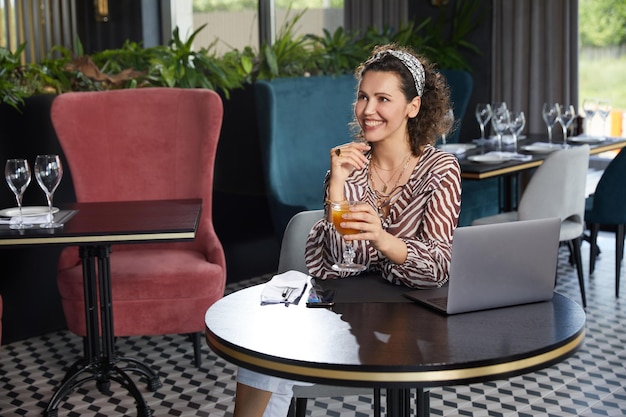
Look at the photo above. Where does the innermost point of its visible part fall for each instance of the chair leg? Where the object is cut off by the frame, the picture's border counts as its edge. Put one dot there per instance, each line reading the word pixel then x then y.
pixel 593 246
pixel 196 339
pixel 619 255
pixel 376 402
pixel 299 407
pixel 575 248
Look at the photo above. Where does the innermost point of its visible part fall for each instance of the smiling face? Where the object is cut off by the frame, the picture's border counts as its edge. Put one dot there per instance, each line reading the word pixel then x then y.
pixel 382 109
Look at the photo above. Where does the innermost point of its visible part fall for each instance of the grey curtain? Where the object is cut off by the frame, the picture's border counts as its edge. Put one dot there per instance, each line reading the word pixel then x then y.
pixel 535 56
pixel 362 14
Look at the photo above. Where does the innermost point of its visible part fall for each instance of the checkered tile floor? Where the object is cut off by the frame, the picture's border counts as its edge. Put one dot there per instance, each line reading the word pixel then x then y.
pixel 591 383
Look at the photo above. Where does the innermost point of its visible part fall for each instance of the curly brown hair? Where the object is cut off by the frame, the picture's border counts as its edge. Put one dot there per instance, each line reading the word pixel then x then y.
pixel 430 123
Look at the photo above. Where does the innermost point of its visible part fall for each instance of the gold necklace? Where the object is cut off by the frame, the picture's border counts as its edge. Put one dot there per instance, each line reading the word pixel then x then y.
pixel 385 184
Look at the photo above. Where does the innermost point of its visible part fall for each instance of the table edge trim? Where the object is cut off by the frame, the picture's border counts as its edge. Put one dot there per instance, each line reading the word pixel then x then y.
pixel 74 240
pixel 429 377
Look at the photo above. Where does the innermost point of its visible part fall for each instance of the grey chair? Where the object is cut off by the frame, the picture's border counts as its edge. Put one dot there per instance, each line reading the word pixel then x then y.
pixel 292 258
pixel 556 189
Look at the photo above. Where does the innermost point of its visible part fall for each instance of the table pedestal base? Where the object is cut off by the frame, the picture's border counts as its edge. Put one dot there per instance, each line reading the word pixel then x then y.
pixel 399 402
pixel 103 374
pixel 101 363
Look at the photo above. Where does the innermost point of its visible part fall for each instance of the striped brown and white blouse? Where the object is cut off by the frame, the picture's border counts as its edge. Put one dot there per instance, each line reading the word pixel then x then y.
pixel 424 215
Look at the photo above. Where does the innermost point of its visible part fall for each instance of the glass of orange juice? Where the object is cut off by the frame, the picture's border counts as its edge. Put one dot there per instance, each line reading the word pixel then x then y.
pixel 347 264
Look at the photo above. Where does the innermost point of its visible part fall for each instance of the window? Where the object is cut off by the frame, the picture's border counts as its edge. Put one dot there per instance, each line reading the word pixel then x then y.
pixel 234 24
pixel 38 23
pixel 602 63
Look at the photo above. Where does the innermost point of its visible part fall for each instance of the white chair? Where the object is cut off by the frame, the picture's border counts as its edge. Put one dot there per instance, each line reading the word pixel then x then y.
pixel 556 189
pixel 292 258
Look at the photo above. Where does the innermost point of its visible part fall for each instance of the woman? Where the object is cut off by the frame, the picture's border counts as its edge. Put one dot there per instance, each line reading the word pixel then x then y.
pixel 410 190
pixel 410 194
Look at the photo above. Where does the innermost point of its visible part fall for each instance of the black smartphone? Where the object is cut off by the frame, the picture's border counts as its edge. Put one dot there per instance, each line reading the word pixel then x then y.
pixel 319 297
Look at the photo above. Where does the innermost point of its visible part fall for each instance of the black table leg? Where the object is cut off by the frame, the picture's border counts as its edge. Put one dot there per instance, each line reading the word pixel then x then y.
pixel 422 403
pixel 399 402
pixel 100 362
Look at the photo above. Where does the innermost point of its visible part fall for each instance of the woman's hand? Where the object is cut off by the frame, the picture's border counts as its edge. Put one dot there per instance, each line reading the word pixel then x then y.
pixel 365 218
pixel 343 160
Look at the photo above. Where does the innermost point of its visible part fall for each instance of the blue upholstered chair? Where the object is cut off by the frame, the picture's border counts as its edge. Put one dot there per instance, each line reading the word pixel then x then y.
pixel 607 206
pixel 300 120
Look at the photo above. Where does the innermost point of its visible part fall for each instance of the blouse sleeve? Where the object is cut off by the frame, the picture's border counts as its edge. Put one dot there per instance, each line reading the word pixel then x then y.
pixel 429 251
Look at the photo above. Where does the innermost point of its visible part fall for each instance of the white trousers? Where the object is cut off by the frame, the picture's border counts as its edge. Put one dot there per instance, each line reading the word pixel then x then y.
pixel 281 389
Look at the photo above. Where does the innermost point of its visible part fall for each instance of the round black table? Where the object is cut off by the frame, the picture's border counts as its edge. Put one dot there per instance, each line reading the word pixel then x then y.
pixel 375 337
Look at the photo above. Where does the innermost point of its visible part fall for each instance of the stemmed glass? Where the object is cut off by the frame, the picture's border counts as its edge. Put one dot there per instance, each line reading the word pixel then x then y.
pixel 516 125
pixel 483 115
pixel 17 174
pixel 604 109
pixel 49 171
pixel 549 114
pixel 500 121
pixel 590 107
pixel 565 116
pixel 338 210
pixel 449 117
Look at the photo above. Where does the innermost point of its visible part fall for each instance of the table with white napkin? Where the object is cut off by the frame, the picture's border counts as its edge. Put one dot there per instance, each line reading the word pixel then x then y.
pixel 286 288
pixel 26 219
pixel 61 216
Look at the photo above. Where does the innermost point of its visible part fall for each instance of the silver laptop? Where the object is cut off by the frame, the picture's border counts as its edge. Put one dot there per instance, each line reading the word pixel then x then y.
pixel 498 265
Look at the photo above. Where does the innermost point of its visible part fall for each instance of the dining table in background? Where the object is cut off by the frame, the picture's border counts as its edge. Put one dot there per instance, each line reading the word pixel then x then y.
pixel 94 227
pixel 376 337
pixel 509 171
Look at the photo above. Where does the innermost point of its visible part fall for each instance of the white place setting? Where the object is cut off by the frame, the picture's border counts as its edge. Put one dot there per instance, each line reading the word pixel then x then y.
pixel 541 147
pixel 48 172
pixel 456 148
pixel 498 157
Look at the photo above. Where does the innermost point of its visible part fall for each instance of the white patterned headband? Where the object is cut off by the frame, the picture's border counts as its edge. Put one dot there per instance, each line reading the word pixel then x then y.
pixel 411 63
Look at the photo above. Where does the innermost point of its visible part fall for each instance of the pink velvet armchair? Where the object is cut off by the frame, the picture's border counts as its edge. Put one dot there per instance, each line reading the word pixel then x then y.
pixel 145 144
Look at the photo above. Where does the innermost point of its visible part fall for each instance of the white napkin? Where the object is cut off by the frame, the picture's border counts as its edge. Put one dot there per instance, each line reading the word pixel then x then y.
pixel 511 156
pixel 285 288
pixel 27 219
pixel 483 141
pixel 546 145
pixel 450 148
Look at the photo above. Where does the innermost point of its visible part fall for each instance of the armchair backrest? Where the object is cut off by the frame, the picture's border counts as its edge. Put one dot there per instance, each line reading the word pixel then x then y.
pixel 300 120
pixel 143 144
pixel 557 188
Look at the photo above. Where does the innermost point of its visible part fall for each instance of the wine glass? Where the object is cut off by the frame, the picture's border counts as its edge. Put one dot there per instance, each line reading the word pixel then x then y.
pixel 516 125
pixel 17 174
pixel 500 122
pixel 590 107
pixel 448 119
pixel 604 109
pixel 565 116
pixel 549 114
pixel 48 171
pixel 338 210
pixel 483 115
